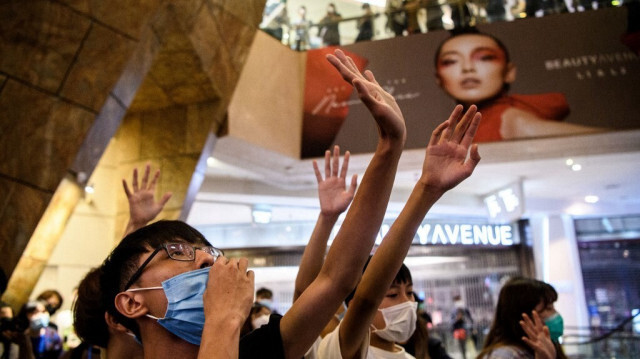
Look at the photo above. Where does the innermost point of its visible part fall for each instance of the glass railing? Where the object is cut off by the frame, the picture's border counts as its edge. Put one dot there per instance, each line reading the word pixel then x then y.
pixel 611 342
pixel 420 16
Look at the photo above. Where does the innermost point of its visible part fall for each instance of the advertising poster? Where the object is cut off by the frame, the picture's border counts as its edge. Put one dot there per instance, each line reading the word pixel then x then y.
pixel 562 75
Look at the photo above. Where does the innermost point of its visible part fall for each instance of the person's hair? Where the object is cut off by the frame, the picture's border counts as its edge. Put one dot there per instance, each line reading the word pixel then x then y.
pixel 22 319
pixel 44 296
pixel 122 263
pixel 403 276
pixel 264 293
pixel 3 281
pixel 418 343
pixel 519 295
pixel 89 309
pixel 247 327
pixel 473 31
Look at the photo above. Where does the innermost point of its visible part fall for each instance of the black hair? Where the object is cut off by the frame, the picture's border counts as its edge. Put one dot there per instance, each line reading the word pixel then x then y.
pixel 88 311
pixel 519 295
pixel 122 263
pixel 44 296
pixel 264 292
pixel 3 281
pixel 403 276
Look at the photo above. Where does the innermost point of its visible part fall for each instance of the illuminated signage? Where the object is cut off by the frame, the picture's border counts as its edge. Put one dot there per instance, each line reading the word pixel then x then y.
pixel 462 234
pixel 505 205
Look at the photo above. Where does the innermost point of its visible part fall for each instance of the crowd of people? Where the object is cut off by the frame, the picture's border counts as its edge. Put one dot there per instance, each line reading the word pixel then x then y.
pixel 402 18
pixel 166 292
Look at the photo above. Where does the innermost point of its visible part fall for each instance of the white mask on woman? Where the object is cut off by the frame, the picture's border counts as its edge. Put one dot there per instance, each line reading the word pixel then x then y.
pixel 260 321
pixel 400 321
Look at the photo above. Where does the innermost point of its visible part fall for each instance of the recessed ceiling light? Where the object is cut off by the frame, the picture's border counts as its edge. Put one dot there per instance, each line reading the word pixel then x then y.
pixel 569 162
pixel 576 167
pixel 211 161
pixel 591 199
pixel 89 189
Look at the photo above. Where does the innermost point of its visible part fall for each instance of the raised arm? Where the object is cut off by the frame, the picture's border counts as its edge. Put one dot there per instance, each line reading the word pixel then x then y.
pixel 445 165
pixel 143 207
pixel 334 199
pixel 350 249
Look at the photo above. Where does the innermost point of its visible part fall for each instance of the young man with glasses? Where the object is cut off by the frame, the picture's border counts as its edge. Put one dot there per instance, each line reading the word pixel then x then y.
pixel 163 319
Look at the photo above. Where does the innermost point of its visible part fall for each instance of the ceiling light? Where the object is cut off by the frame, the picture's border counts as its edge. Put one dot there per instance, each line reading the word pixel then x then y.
pixel 89 189
pixel 576 167
pixel 591 199
pixel 211 161
pixel 261 215
pixel 569 162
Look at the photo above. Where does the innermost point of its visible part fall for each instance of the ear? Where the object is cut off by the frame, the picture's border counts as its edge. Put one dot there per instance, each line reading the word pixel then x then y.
pixel 113 324
pixel 131 305
pixel 510 73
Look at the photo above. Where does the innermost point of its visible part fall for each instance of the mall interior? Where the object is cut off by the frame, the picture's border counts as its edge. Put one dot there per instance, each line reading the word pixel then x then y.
pixel 202 91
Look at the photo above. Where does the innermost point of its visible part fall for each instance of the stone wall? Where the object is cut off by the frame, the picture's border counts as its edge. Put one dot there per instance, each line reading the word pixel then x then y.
pixel 70 72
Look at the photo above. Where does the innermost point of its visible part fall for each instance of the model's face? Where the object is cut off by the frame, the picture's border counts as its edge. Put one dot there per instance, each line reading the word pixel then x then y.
pixel 398 293
pixel 473 68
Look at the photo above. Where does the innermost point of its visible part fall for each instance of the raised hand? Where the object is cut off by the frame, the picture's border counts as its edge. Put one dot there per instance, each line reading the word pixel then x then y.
pixel 332 191
pixel 229 290
pixel 538 337
pixel 380 103
pixel 143 207
pixel 446 163
pixel 227 303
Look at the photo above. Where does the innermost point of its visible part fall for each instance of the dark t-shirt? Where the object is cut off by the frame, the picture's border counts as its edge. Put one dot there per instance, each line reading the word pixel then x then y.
pixel 264 342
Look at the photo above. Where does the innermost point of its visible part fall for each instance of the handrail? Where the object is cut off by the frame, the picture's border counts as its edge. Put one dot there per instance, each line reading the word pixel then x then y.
pixel 604 336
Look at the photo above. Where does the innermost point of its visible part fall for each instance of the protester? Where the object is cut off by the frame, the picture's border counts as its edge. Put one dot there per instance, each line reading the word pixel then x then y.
pixel 526 325
pixel 134 271
pixel 329 29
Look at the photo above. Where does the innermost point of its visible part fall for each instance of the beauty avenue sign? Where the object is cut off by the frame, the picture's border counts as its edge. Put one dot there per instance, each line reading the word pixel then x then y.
pixel 464 234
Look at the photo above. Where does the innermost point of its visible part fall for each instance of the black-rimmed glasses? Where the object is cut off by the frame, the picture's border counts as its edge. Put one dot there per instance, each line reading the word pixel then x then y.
pixel 178 252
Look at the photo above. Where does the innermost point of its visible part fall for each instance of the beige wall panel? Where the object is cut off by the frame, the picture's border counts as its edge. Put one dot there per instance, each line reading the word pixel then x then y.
pixel 164 132
pixel 178 171
pixel 86 241
pixel 42 38
pixel 107 186
pixel 127 139
pixel 130 22
pixel 20 210
pixel 266 108
pixel 40 135
pixel 93 74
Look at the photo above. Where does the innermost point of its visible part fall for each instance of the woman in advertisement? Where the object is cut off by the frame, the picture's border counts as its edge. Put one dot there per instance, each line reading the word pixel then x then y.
pixel 475 68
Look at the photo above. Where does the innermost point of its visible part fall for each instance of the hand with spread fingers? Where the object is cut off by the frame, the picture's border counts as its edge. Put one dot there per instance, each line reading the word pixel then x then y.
pixel 143 207
pixel 446 163
pixel 538 337
pixel 332 191
pixel 380 103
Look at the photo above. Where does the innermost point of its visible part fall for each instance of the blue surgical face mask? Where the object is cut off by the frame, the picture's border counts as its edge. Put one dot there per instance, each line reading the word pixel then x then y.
pixel 185 308
pixel 555 323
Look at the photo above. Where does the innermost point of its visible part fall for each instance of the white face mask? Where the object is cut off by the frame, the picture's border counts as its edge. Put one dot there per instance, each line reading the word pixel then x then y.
pixel 260 321
pixel 400 321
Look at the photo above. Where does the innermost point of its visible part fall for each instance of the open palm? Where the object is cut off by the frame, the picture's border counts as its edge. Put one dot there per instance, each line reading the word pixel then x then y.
pixel 446 163
pixel 380 103
pixel 332 190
